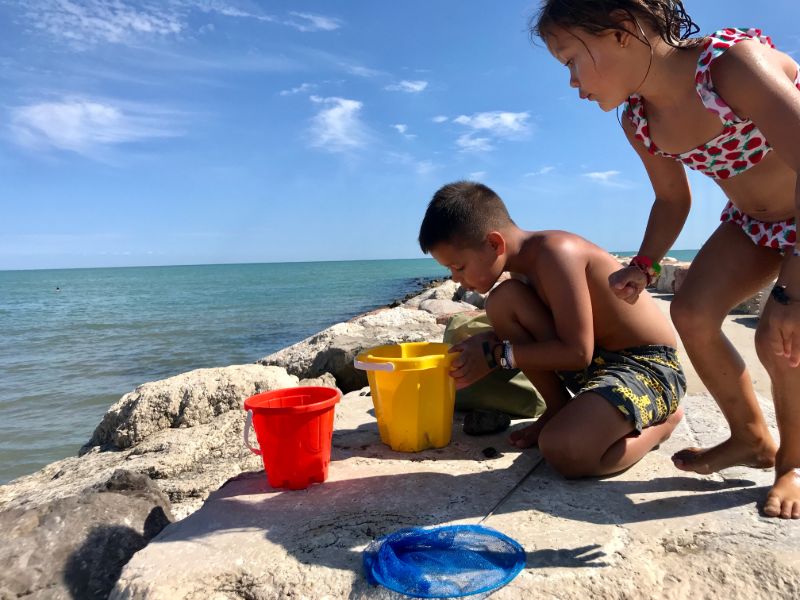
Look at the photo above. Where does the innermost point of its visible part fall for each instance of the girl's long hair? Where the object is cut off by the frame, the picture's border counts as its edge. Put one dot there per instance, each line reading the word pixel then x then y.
pixel 668 17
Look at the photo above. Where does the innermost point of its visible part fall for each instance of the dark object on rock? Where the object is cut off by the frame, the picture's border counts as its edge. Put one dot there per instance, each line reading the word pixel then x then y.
pixel 480 422
pixel 490 452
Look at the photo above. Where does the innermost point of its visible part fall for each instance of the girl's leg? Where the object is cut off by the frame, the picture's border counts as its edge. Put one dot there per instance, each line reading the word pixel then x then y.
pixel 727 270
pixel 783 499
pixel 518 314
pixel 591 437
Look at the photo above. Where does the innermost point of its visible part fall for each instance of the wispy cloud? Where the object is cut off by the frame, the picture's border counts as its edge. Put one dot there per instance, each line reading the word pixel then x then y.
pixel 498 123
pixel 476 175
pixel 88 126
pixel 309 22
pixel 303 88
pixel 488 127
pixel 543 171
pixel 421 167
pixel 607 178
pixel 91 22
pixel 469 142
pixel 439 119
pixel 337 127
pixel 402 129
pixel 409 87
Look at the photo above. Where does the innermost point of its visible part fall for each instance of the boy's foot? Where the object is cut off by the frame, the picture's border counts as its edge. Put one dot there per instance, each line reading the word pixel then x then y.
pixel 527 437
pixel 783 499
pixel 729 453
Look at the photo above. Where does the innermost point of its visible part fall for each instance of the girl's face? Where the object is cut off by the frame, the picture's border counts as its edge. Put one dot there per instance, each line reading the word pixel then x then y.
pixel 601 67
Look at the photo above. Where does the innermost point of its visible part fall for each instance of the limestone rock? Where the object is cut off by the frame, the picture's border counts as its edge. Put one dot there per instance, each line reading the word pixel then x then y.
pixel 444 291
pixel 75 547
pixel 186 400
pixel 649 532
pixel 445 308
pixel 334 349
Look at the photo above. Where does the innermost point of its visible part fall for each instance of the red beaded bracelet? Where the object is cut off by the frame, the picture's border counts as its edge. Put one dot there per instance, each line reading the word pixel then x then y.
pixel 646 265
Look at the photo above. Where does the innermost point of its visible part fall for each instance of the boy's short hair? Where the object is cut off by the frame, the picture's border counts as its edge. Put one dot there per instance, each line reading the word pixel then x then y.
pixel 462 213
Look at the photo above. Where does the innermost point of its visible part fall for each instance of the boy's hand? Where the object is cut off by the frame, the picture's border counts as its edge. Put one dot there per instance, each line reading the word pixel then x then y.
pixel 470 365
pixel 628 283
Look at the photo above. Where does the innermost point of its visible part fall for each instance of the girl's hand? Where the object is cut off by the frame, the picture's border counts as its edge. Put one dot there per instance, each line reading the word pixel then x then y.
pixel 628 283
pixel 470 364
pixel 783 329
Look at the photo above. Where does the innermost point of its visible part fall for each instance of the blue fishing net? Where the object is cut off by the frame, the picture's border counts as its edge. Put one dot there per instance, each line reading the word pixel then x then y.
pixel 443 562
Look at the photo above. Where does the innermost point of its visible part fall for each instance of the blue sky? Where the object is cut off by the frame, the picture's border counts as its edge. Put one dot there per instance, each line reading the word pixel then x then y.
pixel 216 131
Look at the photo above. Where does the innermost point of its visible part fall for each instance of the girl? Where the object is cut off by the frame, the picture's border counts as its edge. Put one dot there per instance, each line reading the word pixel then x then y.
pixel 727 105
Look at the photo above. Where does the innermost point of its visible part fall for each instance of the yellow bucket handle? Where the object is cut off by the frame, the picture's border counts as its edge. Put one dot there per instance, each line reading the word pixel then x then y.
pixel 373 366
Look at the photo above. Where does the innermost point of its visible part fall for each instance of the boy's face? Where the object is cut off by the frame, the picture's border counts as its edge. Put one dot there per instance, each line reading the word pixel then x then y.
pixel 475 269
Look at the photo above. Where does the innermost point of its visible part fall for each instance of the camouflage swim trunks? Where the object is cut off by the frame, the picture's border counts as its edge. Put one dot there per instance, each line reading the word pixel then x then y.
pixel 645 383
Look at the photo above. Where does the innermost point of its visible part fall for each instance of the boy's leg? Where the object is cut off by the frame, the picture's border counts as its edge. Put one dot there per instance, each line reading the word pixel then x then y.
pixel 727 270
pixel 518 314
pixel 591 437
pixel 783 499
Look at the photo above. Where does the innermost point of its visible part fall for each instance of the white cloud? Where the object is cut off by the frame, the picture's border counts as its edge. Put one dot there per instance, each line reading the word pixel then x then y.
pixel 402 129
pixel 498 123
pixel 309 22
pixel 87 126
pixel 439 119
pixel 88 22
pixel 300 89
pixel 608 179
pixel 476 175
pixel 469 143
pixel 338 127
pixel 410 87
pixel 491 126
pixel 421 167
pixel 601 176
pixel 543 171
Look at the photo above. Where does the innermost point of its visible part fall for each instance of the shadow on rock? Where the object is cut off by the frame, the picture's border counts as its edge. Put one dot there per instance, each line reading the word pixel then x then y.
pixel 91 571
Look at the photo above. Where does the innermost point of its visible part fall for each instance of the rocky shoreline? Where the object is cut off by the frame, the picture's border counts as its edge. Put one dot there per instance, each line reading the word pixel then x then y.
pixel 162 449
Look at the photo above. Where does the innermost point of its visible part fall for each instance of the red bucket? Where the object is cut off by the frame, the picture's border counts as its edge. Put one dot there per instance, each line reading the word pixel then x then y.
pixel 294 427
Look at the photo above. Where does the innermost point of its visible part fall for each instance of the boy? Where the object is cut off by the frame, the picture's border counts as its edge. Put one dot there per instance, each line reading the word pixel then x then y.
pixel 558 320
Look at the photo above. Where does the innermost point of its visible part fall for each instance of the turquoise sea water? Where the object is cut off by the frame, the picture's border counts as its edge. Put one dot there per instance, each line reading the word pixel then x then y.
pixel 73 341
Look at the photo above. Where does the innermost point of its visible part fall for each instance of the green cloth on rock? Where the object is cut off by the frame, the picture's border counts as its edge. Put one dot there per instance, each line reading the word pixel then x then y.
pixel 508 391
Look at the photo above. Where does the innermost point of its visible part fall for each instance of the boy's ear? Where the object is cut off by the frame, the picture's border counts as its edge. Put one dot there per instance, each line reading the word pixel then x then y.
pixel 497 242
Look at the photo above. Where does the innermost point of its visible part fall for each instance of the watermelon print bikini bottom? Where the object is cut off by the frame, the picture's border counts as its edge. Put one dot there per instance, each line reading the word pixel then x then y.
pixel 780 235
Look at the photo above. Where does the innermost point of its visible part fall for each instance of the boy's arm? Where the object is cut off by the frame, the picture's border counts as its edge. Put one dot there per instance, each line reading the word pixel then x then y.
pixel 561 268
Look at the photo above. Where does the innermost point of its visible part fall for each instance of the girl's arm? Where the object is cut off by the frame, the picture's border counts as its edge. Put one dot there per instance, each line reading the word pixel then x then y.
pixel 667 216
pixel 561 271
pixel 757 82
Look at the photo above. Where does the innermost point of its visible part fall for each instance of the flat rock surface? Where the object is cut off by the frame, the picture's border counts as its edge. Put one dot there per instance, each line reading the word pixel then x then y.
pixel 650 532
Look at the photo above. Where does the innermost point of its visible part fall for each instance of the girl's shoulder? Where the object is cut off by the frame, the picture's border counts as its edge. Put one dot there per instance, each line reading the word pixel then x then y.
pixel 722 40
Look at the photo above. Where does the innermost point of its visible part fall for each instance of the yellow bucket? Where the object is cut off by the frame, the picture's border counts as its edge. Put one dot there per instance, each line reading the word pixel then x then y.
pixel 413 393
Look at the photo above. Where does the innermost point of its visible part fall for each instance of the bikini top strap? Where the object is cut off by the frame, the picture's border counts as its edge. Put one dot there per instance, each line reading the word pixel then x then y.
pixel 634 110
pixel 714 47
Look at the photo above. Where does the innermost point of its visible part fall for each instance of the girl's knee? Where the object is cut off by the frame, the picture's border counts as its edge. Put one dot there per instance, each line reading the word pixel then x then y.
pixel 692 319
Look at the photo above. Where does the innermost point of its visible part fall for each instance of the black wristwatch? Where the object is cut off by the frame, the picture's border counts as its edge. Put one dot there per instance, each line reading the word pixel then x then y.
pixel 488 354
pixel 780 295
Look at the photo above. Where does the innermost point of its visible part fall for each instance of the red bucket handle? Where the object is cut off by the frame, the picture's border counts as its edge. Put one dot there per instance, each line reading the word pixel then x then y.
pixel 247 424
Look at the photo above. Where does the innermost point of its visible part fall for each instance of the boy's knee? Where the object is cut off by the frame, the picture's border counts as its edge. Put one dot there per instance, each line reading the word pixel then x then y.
pixel 564 452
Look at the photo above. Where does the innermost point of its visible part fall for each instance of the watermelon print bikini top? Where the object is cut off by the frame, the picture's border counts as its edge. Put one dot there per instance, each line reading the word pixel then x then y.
pixel 741 145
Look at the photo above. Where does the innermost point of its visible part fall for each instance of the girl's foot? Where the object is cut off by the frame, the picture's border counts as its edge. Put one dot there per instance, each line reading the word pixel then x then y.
pixel 729 453
pixel 783 499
